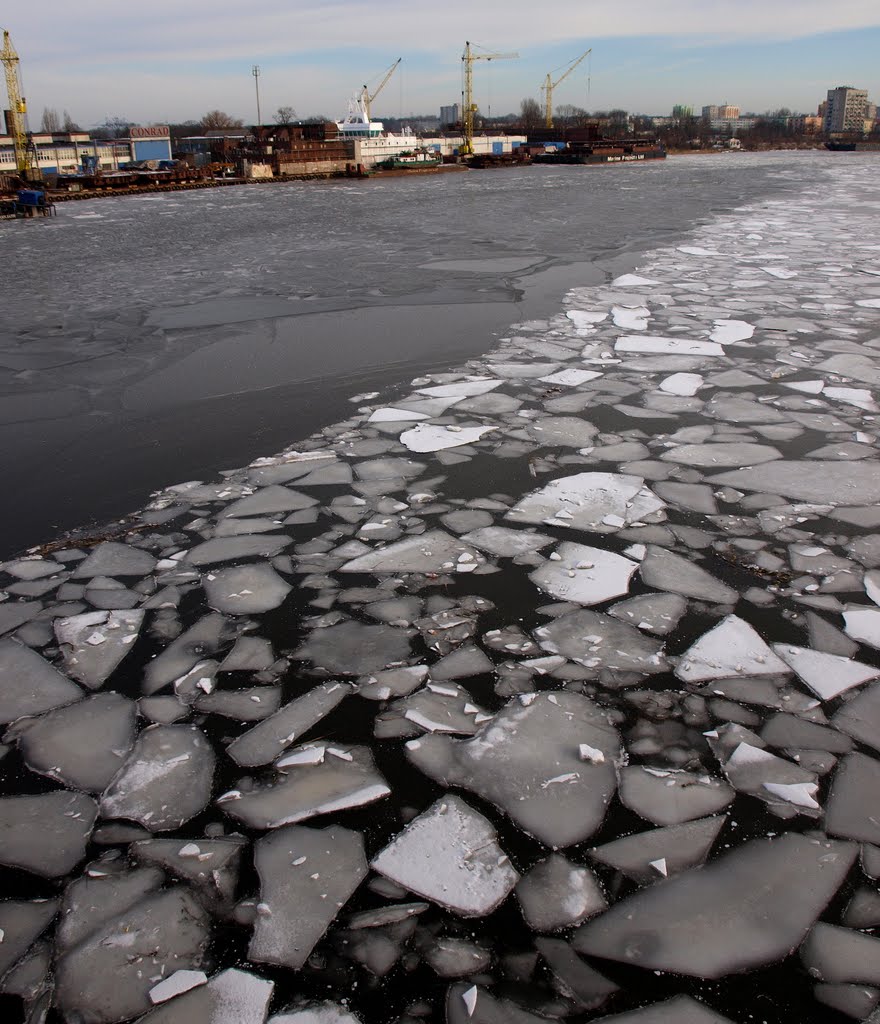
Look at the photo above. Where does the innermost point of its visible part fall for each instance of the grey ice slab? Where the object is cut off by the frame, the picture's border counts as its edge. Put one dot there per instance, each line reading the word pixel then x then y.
pixel 670 796
pixel 264 742
pixel 317 779
pixel 316 1013
pixel 94 643
pixel 434 551
pixel 721 454
pixel 831 482
pixel 107 977
pixel 82 745
pixel 306 877
pixel 547 760
pixel 578 980
pixel 590 501
pixel 860 717
pixel 562 431
pixel 165 780
pixel 841 955
pixel 228 549
pixel 269 501
pixel 467 1003
pixel 584 574
pixel 231 997
pixel 678 1010
pixel 21 923
pixel 210 865
pixel 557 894
pixel 450 957
pixel 665 570
pixel 46 834
pixel 660 852
pixel 29 685
pixel 655 613
pixel 732 648
pixel 604 644
pixel 750 907
pixel 435 437
pixel 853 806
pixel 93 899
pixel 114 559
pixel 507 543
pixel 450 855
pixel 245 589
pixel 352 648
pixel 200 641
pixel 827 675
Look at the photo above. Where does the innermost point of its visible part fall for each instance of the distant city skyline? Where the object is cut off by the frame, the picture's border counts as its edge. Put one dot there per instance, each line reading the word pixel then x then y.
pixel 166 63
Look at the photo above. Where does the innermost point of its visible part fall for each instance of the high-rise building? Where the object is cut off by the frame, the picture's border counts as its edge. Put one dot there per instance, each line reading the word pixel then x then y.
pixel 449 115
pixel 721 111
pixel 846 109
pixel 680 111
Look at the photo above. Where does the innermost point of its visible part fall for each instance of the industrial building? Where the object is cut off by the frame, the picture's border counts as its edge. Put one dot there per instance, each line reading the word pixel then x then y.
pixel 846 110
pixel 78 152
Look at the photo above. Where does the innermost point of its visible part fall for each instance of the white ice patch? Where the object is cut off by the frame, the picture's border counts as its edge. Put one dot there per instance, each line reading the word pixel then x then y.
pixel 683 384
pixel 726 332
pixel 571 378
pixel 436 438
pixel 669 346
pixel 585 574
pixel 732 648
pixel 827 675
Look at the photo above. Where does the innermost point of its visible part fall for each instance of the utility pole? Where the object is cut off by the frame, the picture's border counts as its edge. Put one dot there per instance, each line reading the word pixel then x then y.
pixel 255 71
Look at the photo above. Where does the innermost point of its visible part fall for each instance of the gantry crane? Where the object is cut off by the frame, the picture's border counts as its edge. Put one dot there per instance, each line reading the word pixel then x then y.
pixel 367 99
pixel 467 119
pixel 549 85
pixel 26 167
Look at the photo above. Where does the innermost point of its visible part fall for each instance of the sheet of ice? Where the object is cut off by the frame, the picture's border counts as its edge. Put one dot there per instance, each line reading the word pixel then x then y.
pixel 231 997
pixel 306 877
pixel 392 415
pixel 94 643
pixel 863 624
pixel 462 389
pixel 827 675
pixel 557 894
pixel 654 613
pixel 29 685
pixel 678 847
pixel 111 558
pixel 211 866
pixel 245 589
pixel 563 431
pixel 450 855
pixel 269 501
pixel 500 540
pixel 526 761
pixel 712 921
pixel 860 717
pixel 108 975
pixel 671 346
pixel 853 806
pixel 81 745
pixel 571 378
pixel 435 438
pixel 831 482
pixel 726 332
pixel 631 318
pixel 352 648
pixel 581 983
pixel 264 742
pixel 394 682
pixel 632 281
pixel 176 984
pixel 344 777
pixel 599 502
pixel 467 1003
pixel 46 834
pixel 684 384
pixel 732 648
pixel 671 796
pixel 451 957
pixel 665 570
pixel 316 1013
pixel 841 955
pixel 228 549
pixel 584 574
pixel 99 896
pixel 165 780
pixel 721 454
pixel 677 1010
pixel 603 644
pixel 201 640
pixel 21 924
pixel 433 551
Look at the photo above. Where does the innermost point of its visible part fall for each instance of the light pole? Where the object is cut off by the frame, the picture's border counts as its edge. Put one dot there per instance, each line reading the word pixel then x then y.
pixel 255 71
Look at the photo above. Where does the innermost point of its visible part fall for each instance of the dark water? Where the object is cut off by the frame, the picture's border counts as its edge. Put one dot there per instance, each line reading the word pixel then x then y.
pixel 160 338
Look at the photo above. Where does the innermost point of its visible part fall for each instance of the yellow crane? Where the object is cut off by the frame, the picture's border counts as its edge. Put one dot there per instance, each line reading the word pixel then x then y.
pixel 549 85
pixel 17 110
pixel 467 115
pixel 367 99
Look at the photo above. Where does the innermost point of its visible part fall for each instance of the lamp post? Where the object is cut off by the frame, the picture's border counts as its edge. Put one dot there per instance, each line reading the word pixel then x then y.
pixel 255 71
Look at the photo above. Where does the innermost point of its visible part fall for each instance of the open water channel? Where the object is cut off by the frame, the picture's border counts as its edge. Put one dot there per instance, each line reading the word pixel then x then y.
pixel 527 671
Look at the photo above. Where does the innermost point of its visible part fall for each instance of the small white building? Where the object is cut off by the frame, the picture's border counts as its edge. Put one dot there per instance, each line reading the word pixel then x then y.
pixel 78 152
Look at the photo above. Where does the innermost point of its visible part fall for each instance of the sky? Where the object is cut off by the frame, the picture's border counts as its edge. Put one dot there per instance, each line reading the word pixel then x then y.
pixel 169 62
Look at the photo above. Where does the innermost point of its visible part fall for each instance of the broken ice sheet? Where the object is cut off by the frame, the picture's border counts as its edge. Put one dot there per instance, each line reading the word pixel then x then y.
pixel 665 570
pixel 715 920
pixel 584 574
pixel 827 675
pixel 507 543
pixel 654 613
pixel 732 648
pixel 527 761
pixel 313 780
pixel 306 876
pixel 29 685
pixel 45 834
pixel 557 894
pixel 671 796
pixel 678 1010
pixel 94 643
pixel 436 438
pixel 245 589
pixel 646 857
pixel 601 502
pixel 450 855
pixel 671 346
pixel 352 648
pixel 433 551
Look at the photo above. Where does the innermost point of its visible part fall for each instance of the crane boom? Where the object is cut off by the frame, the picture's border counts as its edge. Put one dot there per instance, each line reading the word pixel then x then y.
pixel 467 59
pixel 365 94
pixel 550 85
pixel 17 108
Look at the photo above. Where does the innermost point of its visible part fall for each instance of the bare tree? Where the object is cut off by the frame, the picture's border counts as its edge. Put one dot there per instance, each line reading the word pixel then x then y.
pixel 69 124
pixel 113 128
pixel 50 121
pixel 530 116
pixel 284 115
pixel 216 120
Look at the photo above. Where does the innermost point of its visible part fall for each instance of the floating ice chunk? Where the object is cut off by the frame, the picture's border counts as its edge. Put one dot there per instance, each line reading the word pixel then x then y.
pixel 351 648
pixel 586 317
pixel 671 797
pixel 393 682
pixel 315 1013
pixel 599 642
pixel 861 398
pixel 664 570
pixel 571 378
pixel 461 663
pixel 712 921
pixel 437 438
pixel 808 387
pixel 21 923
pixel 500 540
pixel 87 661
pixel 827 675
pixel 860 717
pixel 179 657
pixel 81 745
pixel 780 272
pixel 869 303
pixel 390 415
pixel 227 549
pixel 631 281
pixel 726 332
pixel 447 709
pixel 697 250
pixel 732 648
pixel 655 613
pixel 863 624
pixel 264 742
pixel 584 500
pixel 563 431
pixel 450 855
pixel 676 848
pixel 587 987
pixel 230 997
pixel 176 984
pixel 165 780
pixel 211 866
pixel 429 552
pixel 801 794
pixel 841 955
pixel 45 834
pixel 631 318
pixel 584 574
pixel 451 957
pixel 305 791
pixel 557 894
pixel 523 371
pixel 102 978
pixel 97 897
pixel 684 384
pixel 29 685
pixel 113 559
pixel 678 1010
pixel 671 346
pixel 462 389
pixel 245 589
pixel 469 1004
pixel 721 454
pixel 526 761
pixel 301 897
pixel 853 807
pixel 835 483
pixel 269 501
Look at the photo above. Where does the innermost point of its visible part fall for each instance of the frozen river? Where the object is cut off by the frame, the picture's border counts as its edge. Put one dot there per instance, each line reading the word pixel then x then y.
pixel 531 677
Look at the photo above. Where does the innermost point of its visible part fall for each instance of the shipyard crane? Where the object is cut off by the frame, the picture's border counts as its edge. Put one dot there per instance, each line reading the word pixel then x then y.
pixel 367 99
pixel 17 110
pixel 467 60
pixel 549 85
